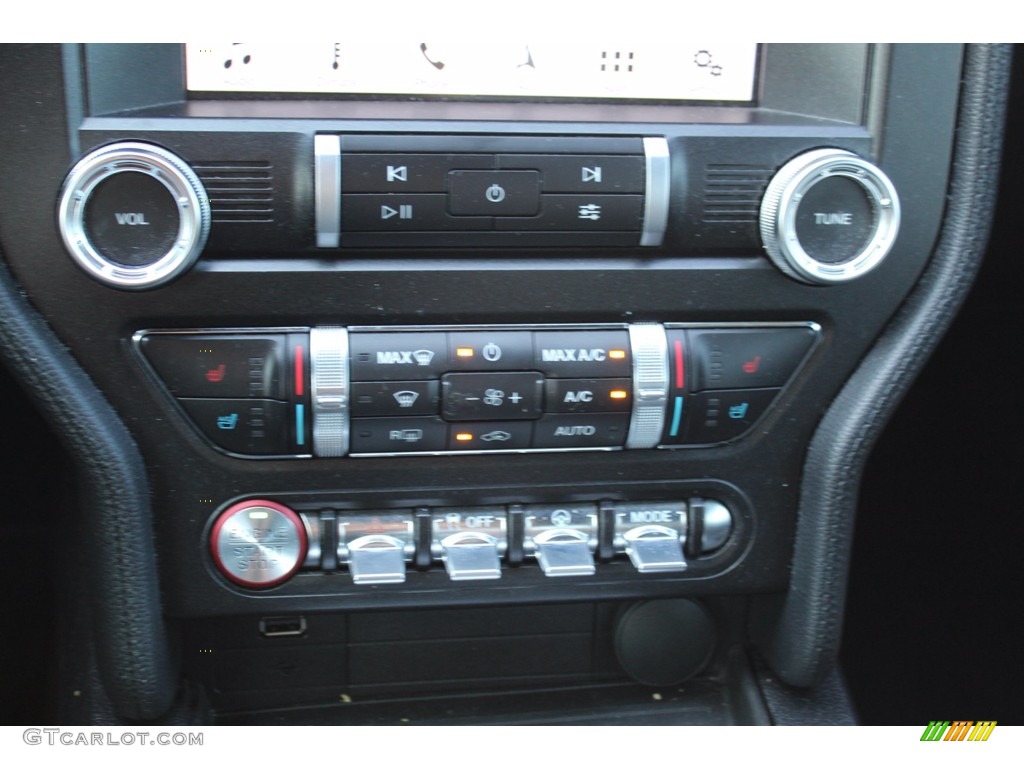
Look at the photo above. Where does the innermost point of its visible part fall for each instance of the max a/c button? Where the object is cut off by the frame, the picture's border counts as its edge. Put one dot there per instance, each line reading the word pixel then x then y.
pixel 581 431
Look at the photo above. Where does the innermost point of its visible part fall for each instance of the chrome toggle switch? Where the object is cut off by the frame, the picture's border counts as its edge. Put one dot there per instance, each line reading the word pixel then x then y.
pixel 652 535
pixel 470 541
pixel 376 547
pixel 563 538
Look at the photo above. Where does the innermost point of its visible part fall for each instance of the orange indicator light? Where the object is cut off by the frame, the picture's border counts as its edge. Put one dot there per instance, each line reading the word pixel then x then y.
pixel 617 354
pixel 462 437
pixel 618 394
pixel 464 352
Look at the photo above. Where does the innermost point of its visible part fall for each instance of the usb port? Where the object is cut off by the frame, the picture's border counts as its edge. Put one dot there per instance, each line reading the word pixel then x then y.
pixel 283 626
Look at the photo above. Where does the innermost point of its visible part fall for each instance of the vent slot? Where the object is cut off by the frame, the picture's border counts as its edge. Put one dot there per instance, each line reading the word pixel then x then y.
pixel 732 193
pixel 241 192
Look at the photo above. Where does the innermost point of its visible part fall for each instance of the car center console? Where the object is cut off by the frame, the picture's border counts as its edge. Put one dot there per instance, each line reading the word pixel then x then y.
pixel 390 350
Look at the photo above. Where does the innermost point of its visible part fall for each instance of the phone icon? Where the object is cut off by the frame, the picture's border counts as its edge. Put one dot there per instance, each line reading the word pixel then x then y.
pixel 439 65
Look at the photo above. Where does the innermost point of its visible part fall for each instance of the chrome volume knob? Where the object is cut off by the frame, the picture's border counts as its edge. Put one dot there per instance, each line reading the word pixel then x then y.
pixel 133 215
pixel 829 216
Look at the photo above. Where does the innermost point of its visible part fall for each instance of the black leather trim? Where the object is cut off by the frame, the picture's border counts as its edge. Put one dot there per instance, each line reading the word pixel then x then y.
pixel 132 650
pixel 800 634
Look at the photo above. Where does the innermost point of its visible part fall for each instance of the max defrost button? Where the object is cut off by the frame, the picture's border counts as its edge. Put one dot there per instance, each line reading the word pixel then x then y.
pixel 398 356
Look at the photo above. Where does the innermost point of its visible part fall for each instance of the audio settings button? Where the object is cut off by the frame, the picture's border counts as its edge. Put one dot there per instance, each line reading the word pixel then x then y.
pixel 248 427
pixel 405 435
pixel 581 213
pixel 581 431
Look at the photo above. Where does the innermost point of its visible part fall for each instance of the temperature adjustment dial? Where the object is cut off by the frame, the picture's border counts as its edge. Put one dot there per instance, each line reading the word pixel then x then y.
pixel 829 216
pixel 133 215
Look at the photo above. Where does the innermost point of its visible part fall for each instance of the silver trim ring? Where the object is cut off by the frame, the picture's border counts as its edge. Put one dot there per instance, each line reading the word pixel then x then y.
pixel 650 384
pixel 657 186
pixel 782 202
pixel 327 184
pixel 171 171
pixel 329 390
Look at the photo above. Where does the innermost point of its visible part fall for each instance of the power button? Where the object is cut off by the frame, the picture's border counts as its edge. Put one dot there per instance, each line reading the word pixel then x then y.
pixel 494 193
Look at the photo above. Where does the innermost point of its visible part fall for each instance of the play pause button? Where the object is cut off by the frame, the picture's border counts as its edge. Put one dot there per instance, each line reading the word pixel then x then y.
pixel 403 213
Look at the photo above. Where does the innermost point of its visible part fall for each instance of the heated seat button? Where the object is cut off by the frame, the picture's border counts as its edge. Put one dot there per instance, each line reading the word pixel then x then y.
pixel 229 365
pixel 584 173
pixel 371 172
pixel 491 396
pixel 395 398
pixel 717 416
pixel 248 427
pixel 405 435
pixel 588 395
pixel 398 356
pixel 582 354
pixel 581 431
pixel 755 357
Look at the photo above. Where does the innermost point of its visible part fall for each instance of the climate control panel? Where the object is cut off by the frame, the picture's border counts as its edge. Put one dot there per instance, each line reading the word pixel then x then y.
pixel 334 391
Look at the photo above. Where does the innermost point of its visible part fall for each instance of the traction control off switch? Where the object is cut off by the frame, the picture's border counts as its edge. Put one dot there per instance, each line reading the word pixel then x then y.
pixel 258 544
pixel 470 541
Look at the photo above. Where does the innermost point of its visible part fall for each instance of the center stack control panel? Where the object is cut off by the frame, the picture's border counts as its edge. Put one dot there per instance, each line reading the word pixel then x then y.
pixel 333 391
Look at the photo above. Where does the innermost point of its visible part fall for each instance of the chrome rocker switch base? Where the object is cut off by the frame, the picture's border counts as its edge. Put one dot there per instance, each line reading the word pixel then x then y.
pixel 652 535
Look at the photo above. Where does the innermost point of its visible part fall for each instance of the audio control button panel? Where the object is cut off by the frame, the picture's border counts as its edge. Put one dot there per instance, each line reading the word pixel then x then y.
pixel 385 191
pixel 332 391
